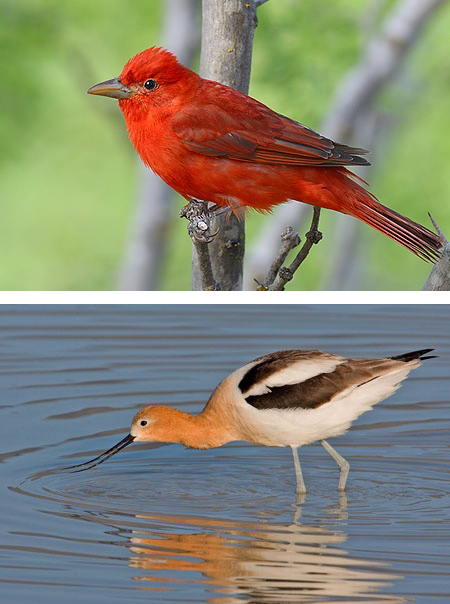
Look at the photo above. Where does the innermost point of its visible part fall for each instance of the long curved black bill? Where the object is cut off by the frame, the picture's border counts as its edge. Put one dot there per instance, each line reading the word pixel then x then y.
pixel 87 465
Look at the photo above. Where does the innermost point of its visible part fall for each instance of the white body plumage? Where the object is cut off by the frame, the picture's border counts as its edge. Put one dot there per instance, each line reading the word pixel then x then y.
pixel 300 426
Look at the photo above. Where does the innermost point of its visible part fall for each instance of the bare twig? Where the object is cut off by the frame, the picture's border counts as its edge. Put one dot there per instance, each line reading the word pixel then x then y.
pixel 259 256
pixel 285 274
pixel 438 229
pixel 289 240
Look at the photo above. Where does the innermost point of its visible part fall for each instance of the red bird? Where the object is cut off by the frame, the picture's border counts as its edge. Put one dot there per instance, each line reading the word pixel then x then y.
pixel 210 142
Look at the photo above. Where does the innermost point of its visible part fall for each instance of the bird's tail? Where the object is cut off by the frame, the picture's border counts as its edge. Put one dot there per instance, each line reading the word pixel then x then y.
pixel 415 237
pixel 416 354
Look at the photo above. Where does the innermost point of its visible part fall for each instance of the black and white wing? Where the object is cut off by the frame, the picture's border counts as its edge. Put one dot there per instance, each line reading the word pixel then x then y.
pixel 307 379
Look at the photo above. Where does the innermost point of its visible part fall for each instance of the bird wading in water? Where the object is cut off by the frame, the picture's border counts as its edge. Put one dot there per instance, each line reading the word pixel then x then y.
pixel 284 399
pixel 210 142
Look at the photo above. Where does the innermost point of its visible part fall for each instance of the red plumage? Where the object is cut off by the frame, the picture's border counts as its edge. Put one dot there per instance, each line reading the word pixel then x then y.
pixel 211 142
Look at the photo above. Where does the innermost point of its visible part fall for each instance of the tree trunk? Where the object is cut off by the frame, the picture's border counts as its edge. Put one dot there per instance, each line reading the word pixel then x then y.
pixel 227 42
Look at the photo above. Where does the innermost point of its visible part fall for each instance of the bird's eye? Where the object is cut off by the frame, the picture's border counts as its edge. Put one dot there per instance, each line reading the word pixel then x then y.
pixel 150 85
pixel 143 422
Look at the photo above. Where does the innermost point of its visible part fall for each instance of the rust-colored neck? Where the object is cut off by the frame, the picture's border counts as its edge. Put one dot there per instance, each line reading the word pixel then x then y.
pixel 203 431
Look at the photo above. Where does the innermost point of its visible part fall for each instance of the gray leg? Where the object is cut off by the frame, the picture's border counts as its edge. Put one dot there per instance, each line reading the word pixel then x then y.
pixel 298 471
pixel 343 464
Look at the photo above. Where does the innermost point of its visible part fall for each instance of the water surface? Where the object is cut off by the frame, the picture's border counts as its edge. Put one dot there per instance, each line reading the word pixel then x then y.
pixel 160 523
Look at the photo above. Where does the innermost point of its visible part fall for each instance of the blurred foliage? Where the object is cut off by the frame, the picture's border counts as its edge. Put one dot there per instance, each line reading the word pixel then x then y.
pixel 68 174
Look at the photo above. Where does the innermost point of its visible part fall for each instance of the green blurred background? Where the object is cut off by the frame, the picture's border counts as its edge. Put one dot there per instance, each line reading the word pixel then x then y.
pixel 69 175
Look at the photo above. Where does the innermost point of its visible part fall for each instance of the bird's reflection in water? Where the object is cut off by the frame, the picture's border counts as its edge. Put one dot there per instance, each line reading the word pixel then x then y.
pixel 262 562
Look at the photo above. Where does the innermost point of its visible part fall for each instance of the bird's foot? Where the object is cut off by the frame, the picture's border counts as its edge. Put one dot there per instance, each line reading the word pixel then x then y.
pixel 199 216
pixel 215 210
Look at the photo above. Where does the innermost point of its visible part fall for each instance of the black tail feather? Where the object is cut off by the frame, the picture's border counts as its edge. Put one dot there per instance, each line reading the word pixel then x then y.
pixel 416 354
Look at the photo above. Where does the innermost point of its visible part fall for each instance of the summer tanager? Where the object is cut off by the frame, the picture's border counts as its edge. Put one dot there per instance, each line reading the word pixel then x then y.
pixel 212 143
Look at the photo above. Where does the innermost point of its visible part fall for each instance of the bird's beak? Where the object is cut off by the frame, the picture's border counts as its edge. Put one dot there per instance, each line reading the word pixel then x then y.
pixel 113 88
pixel 101 458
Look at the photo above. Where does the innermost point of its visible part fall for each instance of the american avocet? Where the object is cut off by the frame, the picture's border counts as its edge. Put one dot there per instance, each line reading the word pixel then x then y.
pixel 288 398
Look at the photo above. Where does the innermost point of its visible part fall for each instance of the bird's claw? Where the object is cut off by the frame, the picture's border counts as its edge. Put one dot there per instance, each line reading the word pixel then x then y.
pixel 215 210
pixel 202 238
pixel 199 216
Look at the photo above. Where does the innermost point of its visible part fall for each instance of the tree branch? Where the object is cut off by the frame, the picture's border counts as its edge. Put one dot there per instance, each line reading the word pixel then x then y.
pixel 439 277
pixel 379 63
pixel 260 255
pixel 289 240
pixel 204 266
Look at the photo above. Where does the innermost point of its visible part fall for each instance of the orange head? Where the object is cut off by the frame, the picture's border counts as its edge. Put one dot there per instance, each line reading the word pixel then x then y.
pixel 158 423
pixel 153 77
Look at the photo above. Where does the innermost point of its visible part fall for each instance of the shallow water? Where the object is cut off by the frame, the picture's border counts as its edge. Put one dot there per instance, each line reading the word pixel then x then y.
pixel 160 523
